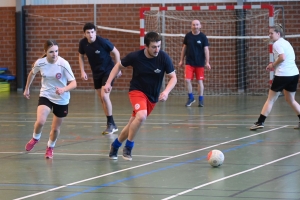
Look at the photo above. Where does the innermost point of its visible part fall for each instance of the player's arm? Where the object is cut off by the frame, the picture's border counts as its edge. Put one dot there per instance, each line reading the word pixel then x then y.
pixel 280 59
pixel 81 66
pixel 114 72
pixel 182 54
pixel 171 84
pixel 117 59
pixel 30 78
pixel 206 52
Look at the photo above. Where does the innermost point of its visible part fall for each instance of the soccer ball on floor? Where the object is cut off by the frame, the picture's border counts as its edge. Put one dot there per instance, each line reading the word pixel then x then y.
pixel 215 158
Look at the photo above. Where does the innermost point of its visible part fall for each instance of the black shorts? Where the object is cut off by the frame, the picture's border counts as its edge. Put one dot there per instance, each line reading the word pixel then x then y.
pixel 288 83
pixel 100 81
pixel 58 110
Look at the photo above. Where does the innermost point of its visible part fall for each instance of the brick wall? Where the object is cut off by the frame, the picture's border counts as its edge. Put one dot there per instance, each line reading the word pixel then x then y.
pixel 64 23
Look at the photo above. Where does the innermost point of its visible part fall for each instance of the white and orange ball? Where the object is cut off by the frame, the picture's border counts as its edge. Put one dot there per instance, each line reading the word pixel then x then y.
pixel 215 158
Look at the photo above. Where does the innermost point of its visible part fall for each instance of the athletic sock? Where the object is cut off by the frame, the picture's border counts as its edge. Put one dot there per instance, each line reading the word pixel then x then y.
pixel 51 143
pixel 129 144
pixel 261 118
pixel 116 143
pixel 191 96
pixel 37 136
pixel 110 119
pixel 201 98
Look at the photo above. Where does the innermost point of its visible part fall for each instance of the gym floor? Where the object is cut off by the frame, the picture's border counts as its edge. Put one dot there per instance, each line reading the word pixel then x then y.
pixel 169 157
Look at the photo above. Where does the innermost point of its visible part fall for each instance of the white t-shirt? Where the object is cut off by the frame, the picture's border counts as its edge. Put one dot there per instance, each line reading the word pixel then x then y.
pixel 54 75
pixel 288 67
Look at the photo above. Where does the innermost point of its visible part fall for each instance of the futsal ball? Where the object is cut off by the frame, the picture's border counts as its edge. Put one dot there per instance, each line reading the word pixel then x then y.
pixel 215 158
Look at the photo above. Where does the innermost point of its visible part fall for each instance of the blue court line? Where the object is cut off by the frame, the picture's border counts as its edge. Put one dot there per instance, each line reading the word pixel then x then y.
pixel 154 171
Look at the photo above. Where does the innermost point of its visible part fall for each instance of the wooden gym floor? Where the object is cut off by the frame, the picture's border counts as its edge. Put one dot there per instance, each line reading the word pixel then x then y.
pixel 169 158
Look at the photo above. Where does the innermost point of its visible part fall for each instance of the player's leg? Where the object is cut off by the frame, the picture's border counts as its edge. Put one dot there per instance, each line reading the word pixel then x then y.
pixel 43 111
pixel 60 112
pixel 277 86
pixel 106 105
pixel 189 73
pixel 199 71
pixel 289 95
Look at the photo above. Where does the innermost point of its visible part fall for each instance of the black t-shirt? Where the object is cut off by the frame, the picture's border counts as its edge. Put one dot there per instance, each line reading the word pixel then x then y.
pixel 148 73
pixel 195 55
pixel 98 54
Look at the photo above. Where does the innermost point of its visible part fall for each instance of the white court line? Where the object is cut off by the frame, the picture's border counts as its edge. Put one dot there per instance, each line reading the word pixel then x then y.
pixel 227 177
pixel 83 154
pixel 146 164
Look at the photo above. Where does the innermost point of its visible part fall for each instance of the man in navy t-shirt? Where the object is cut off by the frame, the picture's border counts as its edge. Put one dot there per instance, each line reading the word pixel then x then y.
pixel 97 50
pixel 195 48
pixel 149 67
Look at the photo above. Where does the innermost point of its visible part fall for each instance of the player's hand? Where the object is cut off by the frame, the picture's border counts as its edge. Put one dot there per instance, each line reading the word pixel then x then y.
pixel 207 65
pixel 84 76
pixel 119 74
pixel 26 94
pixel 180 64
pixel 163 96
pixel 270 67
pixel 107 88
pixel 59 91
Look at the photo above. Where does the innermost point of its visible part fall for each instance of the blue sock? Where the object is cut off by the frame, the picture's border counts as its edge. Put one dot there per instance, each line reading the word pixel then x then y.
pixel 191 96
pixel 129 144
pixel 116 143
pixel 201 98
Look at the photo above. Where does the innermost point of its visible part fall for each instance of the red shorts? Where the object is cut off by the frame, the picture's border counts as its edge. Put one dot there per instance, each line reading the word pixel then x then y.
pixel 139 101
pixel 190 71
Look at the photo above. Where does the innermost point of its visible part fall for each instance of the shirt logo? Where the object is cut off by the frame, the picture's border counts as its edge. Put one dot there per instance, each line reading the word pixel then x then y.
pixel 137 106
pixel 97 52
pixel 198 42
pixel 58 75
pixel 157 71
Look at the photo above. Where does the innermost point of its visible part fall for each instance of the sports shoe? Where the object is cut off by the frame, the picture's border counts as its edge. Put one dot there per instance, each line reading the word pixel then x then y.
pixel 127 153
pixel 189 102
pixel 29 146
pixel 113 153
pixel 49 153
pixel 110 129
pixel 298 126
pixel 257 125
pixel 201 104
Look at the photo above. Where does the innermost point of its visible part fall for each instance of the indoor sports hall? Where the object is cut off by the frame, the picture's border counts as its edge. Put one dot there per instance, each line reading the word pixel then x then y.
pixel 169 159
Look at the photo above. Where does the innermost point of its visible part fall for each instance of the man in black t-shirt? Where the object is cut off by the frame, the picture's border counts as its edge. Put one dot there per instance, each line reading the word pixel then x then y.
pixel 97 50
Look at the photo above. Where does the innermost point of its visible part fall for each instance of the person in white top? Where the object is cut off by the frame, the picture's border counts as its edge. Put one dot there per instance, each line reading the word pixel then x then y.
pixel 285 79
pixel 57 81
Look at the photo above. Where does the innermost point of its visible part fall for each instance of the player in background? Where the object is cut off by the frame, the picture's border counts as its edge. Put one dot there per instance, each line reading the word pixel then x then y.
pixel 285 79
pixel 98 50
pixel 149 67
pixel 57 81
pixel 195 49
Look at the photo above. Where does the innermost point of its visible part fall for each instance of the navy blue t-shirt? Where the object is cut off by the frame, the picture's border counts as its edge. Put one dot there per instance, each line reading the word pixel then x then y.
pixel 98 54
pixel 195 55
pixel 148 73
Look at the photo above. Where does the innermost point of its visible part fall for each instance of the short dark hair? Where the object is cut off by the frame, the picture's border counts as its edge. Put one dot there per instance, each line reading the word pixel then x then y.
pixel 151 37
pixel 89 26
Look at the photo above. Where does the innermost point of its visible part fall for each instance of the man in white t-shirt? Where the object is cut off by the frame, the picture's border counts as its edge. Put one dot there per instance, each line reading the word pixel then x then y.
pixel 285 79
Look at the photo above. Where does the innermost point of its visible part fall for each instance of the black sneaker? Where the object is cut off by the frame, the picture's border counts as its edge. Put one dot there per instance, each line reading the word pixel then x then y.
pixel 257 125
pixel 127 153
pixel 110 129
pixel 201 104
pixel 298 126
pixel 189 102
pixel 113 153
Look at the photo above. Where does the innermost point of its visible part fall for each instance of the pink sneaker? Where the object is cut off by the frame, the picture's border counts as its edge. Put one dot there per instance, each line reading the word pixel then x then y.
pixel 29 146
pixel 49 153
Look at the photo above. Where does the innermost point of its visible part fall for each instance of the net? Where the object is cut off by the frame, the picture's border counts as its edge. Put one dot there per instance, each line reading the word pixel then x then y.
pixel 239 47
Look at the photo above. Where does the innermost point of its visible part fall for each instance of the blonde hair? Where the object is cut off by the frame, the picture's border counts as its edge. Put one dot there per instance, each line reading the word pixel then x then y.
pixel 278 29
